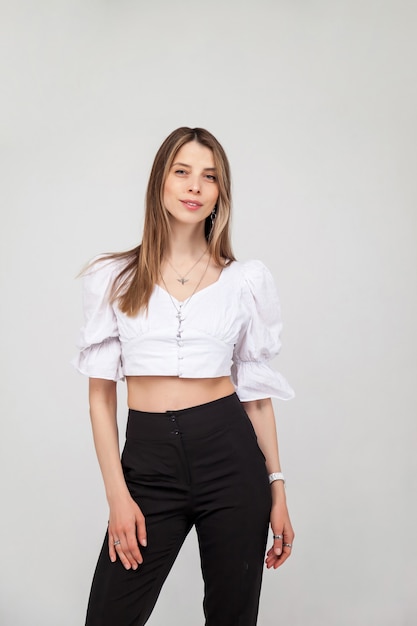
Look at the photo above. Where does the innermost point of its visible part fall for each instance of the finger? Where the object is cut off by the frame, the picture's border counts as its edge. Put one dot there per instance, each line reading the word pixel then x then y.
pixel 286 553
pixel 287 544
pixel 123 558
pixel 112 550
pixel 133 548
pixel 141 531
pixel 119 545
pixel 275 561
pixel 132 554
pixel 278 537
pixel 124 554
pixel 271 557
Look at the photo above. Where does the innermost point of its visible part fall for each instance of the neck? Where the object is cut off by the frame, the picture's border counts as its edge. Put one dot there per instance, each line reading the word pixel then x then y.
pixel 186 242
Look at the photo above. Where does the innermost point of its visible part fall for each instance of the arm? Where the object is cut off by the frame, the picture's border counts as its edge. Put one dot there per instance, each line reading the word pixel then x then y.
pixel 261 414
pixel 126 521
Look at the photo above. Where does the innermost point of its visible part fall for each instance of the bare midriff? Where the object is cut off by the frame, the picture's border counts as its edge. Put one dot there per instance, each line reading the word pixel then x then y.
pixel 158 394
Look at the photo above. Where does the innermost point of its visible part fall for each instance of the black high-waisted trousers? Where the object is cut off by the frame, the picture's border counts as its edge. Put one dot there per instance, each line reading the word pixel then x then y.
pixel 198 466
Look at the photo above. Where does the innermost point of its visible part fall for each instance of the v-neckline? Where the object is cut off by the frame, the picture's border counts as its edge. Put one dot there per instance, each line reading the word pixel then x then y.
pixel 182 302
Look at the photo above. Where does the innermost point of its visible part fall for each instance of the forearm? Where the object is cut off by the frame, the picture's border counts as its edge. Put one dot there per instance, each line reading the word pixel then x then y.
pixel 103 408
pixel 261 414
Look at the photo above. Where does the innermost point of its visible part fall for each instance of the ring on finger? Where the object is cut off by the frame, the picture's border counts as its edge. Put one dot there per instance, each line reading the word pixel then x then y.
pixel 117 542
pixel 277 536
pixel 287 545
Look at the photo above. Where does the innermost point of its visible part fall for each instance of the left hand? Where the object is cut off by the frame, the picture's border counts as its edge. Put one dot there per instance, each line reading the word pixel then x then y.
pixel 280 525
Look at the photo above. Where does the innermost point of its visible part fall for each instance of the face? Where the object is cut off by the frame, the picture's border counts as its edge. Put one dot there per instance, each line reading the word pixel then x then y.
pixel 191 190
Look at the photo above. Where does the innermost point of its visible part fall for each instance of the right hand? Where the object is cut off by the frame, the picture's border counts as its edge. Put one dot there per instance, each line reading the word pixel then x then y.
pixel 127 525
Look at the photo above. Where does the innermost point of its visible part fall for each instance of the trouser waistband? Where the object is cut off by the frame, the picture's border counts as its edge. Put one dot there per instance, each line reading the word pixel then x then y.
pixel 195 421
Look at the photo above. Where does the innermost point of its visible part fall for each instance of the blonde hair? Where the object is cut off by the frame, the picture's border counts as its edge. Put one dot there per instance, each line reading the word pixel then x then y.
pixel 133 286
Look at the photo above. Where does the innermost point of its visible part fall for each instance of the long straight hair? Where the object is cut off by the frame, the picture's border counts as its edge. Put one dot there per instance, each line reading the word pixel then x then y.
pixel 133 285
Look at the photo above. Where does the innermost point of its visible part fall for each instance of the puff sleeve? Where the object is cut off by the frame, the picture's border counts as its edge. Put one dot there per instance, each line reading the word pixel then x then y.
pixel 99 346
pixel 259 340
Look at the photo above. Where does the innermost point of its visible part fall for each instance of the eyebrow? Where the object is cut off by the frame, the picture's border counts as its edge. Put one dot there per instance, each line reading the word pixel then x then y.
pixel 209 169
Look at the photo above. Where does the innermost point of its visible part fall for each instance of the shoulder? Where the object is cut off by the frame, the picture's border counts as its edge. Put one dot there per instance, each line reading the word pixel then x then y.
pixel 257 285
pixel 100 273
pixel 103 264
pixel 252 272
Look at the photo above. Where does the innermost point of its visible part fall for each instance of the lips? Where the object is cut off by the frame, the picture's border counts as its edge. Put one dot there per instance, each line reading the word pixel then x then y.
pixel 193 205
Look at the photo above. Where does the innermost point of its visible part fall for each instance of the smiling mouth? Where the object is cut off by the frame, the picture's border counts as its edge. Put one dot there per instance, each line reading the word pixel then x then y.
pixel 191 204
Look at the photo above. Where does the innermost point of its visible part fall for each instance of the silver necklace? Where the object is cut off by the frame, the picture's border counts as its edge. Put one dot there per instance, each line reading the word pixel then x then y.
pixel 183 279
pixel 179 309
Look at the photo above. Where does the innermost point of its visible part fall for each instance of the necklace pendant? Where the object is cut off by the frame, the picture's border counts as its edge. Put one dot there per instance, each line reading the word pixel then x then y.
pixel 183 280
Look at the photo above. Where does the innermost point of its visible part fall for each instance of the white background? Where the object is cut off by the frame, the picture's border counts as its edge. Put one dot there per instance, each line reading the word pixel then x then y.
pixel 315 103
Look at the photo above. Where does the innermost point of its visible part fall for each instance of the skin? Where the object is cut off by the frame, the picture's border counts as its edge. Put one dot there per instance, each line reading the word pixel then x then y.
pixel 191 178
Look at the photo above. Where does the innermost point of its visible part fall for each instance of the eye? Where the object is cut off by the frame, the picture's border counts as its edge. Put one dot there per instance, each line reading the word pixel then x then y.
pixel 211 177
pixel 180 172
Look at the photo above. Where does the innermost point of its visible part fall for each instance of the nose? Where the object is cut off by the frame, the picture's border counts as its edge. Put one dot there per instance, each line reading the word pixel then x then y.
pixel 194 186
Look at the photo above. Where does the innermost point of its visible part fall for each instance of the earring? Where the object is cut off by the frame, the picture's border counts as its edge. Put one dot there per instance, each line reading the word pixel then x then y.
pixel 213 216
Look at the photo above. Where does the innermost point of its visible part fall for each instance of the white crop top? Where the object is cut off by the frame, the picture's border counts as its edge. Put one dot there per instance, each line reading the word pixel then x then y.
pixel 230 328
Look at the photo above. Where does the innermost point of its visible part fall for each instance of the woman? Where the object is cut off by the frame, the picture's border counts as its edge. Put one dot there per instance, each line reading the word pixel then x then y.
pixel 192 330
